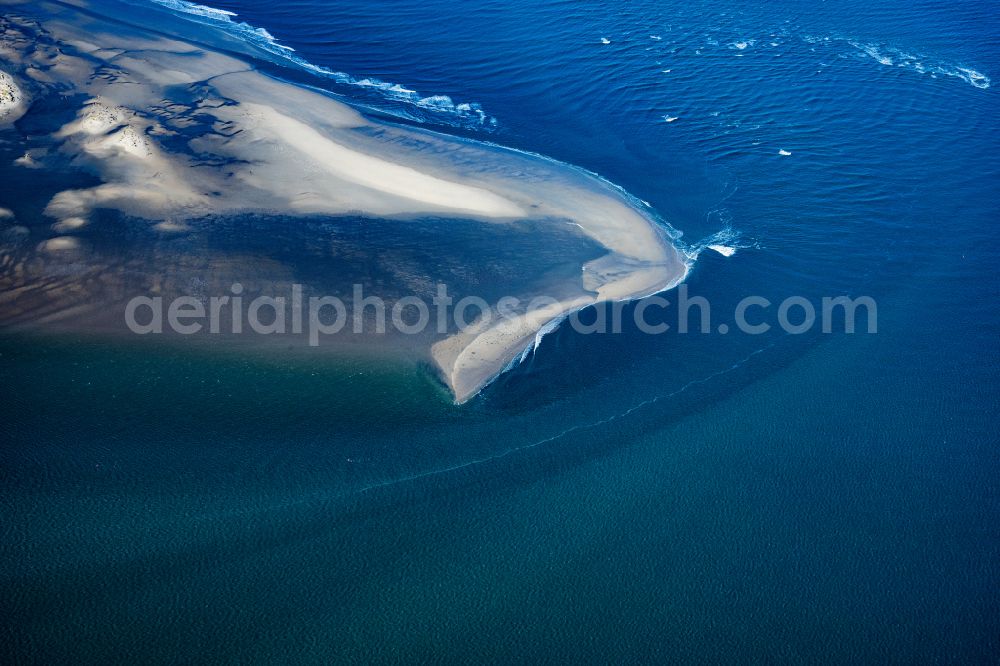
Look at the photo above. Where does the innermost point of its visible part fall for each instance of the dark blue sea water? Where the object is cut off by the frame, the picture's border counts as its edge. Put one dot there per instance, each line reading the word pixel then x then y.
pixel 700 497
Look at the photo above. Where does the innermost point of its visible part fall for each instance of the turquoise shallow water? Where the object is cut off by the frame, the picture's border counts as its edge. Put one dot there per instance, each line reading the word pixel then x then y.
pixel 616 497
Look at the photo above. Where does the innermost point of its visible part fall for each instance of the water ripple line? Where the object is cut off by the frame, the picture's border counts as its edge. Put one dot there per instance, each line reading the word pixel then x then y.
pixel 572 429
pixel 479 461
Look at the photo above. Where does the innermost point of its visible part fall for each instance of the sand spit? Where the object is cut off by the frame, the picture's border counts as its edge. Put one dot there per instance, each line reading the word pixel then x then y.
pixel 177 132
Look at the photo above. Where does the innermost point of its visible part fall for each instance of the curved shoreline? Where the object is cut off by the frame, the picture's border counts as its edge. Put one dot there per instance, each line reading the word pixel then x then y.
pixel 177 132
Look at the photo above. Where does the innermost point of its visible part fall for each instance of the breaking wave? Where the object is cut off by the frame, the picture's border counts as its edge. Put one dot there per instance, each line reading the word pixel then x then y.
pixel 435 108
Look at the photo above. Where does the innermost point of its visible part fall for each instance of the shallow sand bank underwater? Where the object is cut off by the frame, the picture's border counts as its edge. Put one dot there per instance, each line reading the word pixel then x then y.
pixel 179 133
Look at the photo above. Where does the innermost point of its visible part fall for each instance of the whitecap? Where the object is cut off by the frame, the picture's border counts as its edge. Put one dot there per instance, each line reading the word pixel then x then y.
pixel 441 106
pixel 726 241
pixel 914 62
pixel 724 250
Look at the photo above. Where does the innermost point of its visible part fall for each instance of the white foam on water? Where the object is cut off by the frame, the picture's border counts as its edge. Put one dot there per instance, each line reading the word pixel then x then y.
pixel 533 347
pixel 784 152
pixel 724 250
pixel 442 107
pixel 892 56
pixel 605 40
pixel 889 56
pixel 873 52
pixel 726 242
pixel 669 119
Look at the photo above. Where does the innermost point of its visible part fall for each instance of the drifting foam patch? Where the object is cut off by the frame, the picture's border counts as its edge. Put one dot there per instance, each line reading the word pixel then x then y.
pixel 440 106
pixel 724 250
pixel 726 242
pixel 873 52
pixel 891 56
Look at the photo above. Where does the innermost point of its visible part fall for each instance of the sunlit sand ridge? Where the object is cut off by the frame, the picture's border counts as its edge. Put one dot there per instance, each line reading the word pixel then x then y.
pixel 11 99
pixel 252 143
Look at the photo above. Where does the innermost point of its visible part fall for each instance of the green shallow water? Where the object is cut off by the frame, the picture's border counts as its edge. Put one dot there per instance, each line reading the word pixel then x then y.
pixel 170 503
